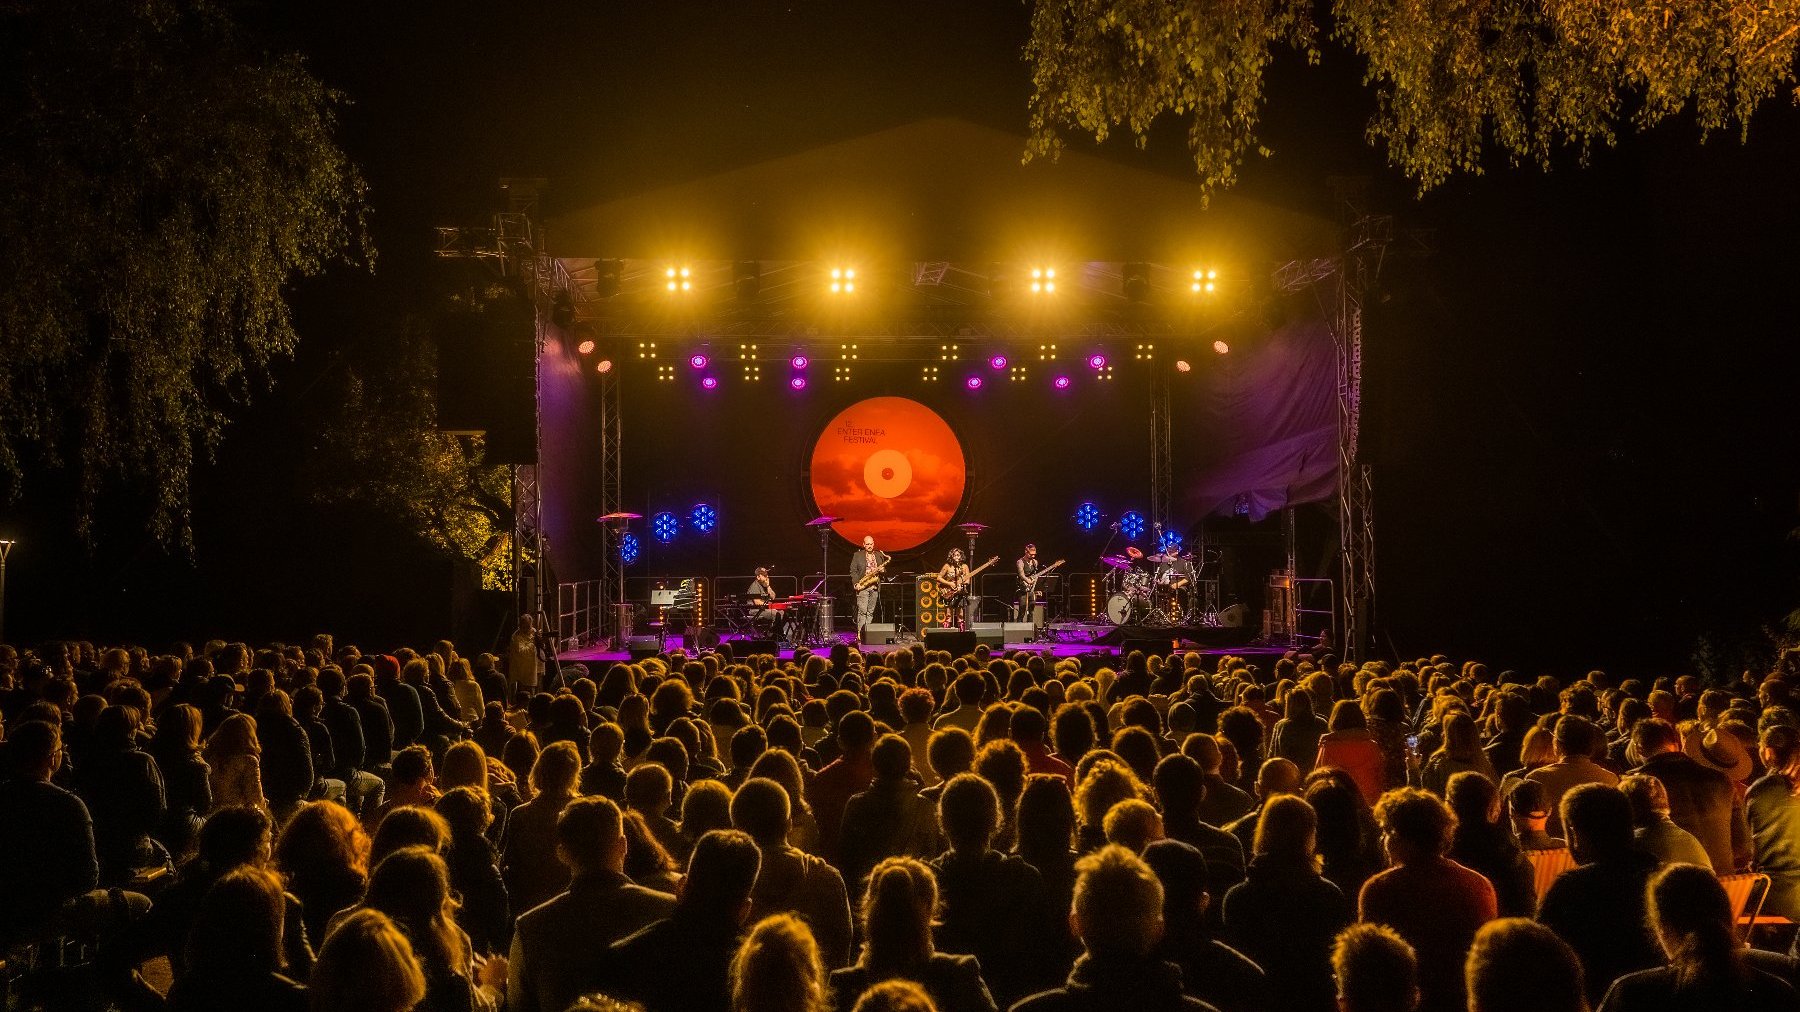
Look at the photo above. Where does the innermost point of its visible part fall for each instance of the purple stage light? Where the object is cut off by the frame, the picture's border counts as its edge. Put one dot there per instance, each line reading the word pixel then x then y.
pixel 1062 383
pixel 799 361
pixel 709 383
pixel 997 362
pixel 697 360
pixel 1096 361
pixel 973 382
pixel 798 383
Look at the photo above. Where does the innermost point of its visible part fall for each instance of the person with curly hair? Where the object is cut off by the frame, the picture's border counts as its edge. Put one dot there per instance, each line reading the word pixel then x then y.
pixel 1434 903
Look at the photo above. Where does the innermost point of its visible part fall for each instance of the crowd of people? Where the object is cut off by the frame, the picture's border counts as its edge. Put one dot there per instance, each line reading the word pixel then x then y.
pixel 295 827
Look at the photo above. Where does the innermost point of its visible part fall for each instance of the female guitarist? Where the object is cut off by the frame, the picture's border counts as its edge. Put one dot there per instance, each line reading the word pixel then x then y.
pixel 955 579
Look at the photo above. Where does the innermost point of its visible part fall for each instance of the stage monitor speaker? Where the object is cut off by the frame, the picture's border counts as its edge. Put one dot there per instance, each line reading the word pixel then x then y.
pixel 957 641
pixel 1148 646
pixel 990 634
pixel 741 649
pixel 641 647
pixel 877 634
pixel 1232 617
pixel 1018 632
pixel 487 380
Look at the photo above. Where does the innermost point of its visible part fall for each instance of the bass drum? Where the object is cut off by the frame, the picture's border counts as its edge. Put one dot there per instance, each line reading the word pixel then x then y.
pixel 1123 609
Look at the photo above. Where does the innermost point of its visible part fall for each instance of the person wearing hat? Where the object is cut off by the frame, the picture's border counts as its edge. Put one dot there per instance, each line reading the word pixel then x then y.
pixel 1701 784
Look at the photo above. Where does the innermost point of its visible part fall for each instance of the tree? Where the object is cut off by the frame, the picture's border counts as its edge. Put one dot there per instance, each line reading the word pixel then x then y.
pixel 1452 78
pixel 380 449
pixel 165 180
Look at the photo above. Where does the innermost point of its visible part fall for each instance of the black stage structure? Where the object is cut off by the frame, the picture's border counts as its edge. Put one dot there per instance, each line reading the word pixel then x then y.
pixel 669 326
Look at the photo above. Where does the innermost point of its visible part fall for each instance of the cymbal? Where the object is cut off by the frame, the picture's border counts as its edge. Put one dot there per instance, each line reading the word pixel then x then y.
pixel 610 517
pixel 820 521
pixel 1164 557
pixel 1116 561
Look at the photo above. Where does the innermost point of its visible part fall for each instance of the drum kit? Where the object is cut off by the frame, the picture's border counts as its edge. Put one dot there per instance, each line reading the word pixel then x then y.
pixel 1153 590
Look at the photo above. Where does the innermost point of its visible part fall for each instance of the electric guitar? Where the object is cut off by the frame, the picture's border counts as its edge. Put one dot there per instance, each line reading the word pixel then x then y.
pixel 1030 582
pixel 953 588
pixel 868 580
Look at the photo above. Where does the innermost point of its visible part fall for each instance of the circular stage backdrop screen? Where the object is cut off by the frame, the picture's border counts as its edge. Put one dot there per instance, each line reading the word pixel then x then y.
pixel 890 468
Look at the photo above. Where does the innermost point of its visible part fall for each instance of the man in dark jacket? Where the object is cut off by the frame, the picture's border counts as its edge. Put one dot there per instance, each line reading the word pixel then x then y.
pixel 349 746
pixel 402 702
pixel 1701 799
pixel 45 833
pixel 1118 917
pixel 682 963
pixel 559 947
pixel 1601 908
pixel 993 903
pixel 377 724
pixel 287 766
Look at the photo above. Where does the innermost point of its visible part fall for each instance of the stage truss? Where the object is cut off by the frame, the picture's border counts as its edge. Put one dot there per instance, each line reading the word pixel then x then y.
pixel 954 303
pixel 1341 283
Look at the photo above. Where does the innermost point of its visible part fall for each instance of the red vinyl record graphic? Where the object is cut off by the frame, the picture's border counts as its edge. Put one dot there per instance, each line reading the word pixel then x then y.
pixel 889 468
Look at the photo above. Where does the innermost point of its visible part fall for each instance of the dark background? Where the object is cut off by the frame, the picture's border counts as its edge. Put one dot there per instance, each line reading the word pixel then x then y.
pixel 1579 406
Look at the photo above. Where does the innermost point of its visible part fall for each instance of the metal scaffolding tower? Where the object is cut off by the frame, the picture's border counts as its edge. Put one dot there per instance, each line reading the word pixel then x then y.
pixel 1341 284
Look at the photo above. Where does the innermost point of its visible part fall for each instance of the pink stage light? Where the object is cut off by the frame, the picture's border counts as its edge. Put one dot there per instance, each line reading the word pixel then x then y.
pixel 1182 365
pixel 585 347
pixel 1096 361
pixel 709 383
pixel 603 366
pixel 697 360
pixel 973 382
pixel 1062 383
pixel 799 361
pixel 997 362
pixel 1221 347
pixel 798 383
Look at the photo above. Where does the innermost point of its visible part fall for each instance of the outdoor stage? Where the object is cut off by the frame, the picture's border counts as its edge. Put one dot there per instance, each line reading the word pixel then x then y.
pixel 1132 387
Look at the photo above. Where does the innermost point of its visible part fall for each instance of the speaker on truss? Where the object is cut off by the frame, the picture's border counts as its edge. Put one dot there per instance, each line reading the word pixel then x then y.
pixel 1134 281
pixel 487 379
pixel 746 279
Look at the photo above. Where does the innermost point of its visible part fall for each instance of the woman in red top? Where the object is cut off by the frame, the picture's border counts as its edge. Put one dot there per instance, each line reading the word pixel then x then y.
pixel 1348 746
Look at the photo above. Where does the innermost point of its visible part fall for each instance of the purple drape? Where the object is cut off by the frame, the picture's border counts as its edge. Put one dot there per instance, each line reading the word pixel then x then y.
pixel 1264 428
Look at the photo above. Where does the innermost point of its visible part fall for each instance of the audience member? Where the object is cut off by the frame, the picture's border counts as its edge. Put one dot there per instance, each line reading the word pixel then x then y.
pixel 1376 970
pixel 1600 907
pixel 1284 915
pixel 1434 903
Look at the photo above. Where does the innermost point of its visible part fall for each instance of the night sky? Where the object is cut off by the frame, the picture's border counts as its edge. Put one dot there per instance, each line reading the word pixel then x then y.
pixel 1580 407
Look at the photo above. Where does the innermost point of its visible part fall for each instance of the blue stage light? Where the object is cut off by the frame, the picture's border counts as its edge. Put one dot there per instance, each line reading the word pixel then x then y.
pixel 1169 542
pixel 1087 516
pixel 703 517
pixel 1132 524
pixel 628 549
pixel 664 526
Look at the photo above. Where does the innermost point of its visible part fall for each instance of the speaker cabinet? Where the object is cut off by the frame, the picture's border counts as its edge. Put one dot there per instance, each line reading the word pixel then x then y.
pixel 880 634
pixel 741 649
pixel 957 641
pixel 989 634
pixel 641 647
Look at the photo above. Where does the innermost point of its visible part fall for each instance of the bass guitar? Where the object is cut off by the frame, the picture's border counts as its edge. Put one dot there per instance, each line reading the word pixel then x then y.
pixel 1030 582
pixel 952 588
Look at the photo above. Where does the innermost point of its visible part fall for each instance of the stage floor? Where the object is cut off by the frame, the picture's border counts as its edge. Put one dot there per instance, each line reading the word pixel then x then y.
pixel 1096 649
